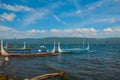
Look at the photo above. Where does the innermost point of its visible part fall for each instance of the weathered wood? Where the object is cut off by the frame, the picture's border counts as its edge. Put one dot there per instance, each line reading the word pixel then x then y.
pixel 46 76
pixel 4 77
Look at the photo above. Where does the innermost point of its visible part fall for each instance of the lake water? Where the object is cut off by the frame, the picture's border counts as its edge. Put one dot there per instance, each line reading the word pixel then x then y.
pixel 104 64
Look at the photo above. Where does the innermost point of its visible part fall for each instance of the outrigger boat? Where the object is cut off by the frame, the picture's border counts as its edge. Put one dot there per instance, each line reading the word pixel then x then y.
pixel 59 50
pixel 6 54
pixel 63 51
pixel 18 50
pixel 82 49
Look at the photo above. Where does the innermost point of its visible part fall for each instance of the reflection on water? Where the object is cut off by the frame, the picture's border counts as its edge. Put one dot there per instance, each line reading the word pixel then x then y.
pixel 103 65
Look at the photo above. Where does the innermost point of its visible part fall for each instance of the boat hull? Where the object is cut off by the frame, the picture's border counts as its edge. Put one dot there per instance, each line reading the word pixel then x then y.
pixel 31 55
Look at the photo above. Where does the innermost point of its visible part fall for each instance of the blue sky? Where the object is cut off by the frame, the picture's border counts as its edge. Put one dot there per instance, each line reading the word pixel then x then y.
pixel 62 18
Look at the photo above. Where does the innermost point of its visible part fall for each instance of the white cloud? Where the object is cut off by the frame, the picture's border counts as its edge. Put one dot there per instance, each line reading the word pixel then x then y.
pixel 117 29
pixel 73 12
pixel 112 20
pixel 7 32
pixel 57 31
pixel 15 7
pixel 35 15
pixel 86 30
pixel 61 33
pixel 91 8
pixel 7 29
pixel 78 11
pixel 75 2
pixel 36 31
pixel 8 17
pixel 74 32
pixel 109 30
pixel 95 5
pixel 68 31
pixel 93 30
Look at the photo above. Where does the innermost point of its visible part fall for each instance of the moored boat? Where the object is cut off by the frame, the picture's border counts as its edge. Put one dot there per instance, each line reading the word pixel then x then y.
pixel 41 54
pixel 64 51
pixel 18 50
pixel 82 49
pixel 54 50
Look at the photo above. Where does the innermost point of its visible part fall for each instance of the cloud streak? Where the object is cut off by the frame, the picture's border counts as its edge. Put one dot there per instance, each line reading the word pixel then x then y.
pixel 7 16
pixel 15 8
pixel 35 15
pixel 7 32
pixel 59 20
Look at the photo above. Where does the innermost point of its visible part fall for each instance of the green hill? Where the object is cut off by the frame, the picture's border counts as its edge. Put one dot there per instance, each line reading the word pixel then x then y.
pixel 65 40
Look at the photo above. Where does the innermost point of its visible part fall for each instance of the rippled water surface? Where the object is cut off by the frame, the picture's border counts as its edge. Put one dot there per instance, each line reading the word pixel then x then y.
pixel 101 65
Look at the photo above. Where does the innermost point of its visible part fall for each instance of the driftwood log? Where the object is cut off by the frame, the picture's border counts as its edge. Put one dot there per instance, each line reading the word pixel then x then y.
pixel 4 77
pixel 41 77
pixel 46 76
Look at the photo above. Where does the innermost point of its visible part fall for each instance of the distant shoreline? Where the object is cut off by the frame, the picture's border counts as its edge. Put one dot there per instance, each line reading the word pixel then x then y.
pixel 65 40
